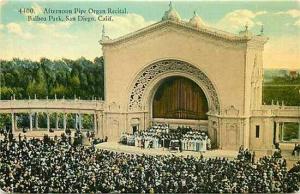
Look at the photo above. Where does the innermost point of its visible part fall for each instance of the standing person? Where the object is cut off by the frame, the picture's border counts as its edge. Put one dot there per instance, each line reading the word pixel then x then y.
pixel 143 143
pixel 208 144
pixel 20 138
pixel 180 145
pixel 253 158
pixel 88 135
pixel 10 136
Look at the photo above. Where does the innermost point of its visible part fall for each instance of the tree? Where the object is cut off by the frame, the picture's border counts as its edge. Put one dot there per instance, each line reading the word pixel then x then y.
pixel 64 77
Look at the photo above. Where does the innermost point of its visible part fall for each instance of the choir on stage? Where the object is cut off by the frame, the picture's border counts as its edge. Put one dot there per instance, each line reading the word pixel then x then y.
pixel 160 135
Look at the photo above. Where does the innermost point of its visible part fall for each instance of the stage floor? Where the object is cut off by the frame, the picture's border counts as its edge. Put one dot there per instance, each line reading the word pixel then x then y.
pixel 230 154
pixel 114 146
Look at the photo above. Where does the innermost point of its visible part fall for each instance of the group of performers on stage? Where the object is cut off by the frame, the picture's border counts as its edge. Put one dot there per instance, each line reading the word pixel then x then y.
pixel 160 135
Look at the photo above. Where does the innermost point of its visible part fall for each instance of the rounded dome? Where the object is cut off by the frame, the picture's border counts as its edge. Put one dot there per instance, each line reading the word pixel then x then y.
pixel 171 14
pixel 196 21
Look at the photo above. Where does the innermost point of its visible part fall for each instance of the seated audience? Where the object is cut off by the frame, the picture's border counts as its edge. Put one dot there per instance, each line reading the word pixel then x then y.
pixel 48 166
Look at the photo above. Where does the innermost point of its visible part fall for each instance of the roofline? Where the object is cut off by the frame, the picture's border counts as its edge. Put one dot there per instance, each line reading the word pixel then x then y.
pixel 202 30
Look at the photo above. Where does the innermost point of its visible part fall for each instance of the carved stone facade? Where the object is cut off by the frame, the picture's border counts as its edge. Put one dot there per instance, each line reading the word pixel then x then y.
pixel 227 67
pixel 153 71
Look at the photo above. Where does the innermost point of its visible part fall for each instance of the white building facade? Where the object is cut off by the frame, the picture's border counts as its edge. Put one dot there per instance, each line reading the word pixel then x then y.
pixel 227 67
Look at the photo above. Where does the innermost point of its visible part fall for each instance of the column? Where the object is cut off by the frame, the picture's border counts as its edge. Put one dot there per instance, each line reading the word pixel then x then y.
pixel 37 120
pixel 277 132
pixel 56 121
pixel 30 121
pixel 16 122
pixel 76 121
pixel 48 121
pixel 282 126
pixel 95 123
pixel 65 122
pixel 100 126
pixel 79 117
pixel 12 122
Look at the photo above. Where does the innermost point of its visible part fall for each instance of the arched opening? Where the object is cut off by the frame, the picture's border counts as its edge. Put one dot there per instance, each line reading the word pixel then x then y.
pixel 179 98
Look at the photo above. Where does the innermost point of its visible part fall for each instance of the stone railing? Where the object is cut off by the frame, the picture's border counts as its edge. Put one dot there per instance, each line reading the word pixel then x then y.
pixel 280 107
pixel 278 111
pixel 52 104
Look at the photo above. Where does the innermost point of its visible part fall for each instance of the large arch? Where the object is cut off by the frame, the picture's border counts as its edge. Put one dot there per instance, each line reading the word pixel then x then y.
pixel 147 81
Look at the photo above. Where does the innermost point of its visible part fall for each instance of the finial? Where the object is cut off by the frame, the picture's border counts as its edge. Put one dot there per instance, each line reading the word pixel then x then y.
pixel 103 32
pixel 195 13
pixel 262 30
pixel 246 27
pixel 170 5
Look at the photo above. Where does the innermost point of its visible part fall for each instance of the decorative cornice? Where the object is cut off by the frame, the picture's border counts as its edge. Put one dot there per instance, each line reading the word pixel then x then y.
pixel 219 34
pixel 155 70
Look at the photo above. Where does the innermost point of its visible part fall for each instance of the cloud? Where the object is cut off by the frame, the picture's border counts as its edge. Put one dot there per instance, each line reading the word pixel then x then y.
pixel 57 30
pixel 292 12
pixel 297 23
pixel 64 35
pixel 51 26
pixel 235 20
pixel 125 24
pixel 53 30
pixel 16 29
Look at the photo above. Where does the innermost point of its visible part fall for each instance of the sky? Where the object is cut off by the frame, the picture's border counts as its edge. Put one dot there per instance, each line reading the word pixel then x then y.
pixel 73 39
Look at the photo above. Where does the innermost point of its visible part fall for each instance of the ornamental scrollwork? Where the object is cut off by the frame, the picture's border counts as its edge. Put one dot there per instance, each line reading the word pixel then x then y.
pixel 156 69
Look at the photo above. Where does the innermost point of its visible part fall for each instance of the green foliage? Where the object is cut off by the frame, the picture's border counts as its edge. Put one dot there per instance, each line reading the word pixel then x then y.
pixel 22 120
pixel 87 121
pixel 5 120
pixel 59 90
pixel 286 80
pixel 290 95
pixel 291 131
pixel 280 89
pixel 65 78
pixel 71 121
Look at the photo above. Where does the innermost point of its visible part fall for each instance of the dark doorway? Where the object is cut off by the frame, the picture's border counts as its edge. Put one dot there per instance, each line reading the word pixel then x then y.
pixel 134 129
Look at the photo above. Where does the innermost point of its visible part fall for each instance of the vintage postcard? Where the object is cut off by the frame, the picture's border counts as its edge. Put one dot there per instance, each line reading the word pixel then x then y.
pixel 149 96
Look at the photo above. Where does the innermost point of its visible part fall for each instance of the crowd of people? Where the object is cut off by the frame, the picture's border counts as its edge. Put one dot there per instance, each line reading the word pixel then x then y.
pixel 59 166
pixel 160 135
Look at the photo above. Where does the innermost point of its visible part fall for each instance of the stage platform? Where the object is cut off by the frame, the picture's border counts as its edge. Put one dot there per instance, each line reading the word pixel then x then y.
pixel 117 147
